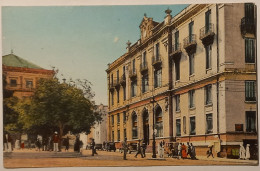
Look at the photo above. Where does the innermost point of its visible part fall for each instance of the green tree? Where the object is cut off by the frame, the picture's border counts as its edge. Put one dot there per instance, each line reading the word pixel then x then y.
pixel 62 106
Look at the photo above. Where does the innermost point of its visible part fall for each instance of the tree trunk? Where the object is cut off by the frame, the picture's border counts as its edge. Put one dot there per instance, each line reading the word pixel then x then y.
pixel 61 126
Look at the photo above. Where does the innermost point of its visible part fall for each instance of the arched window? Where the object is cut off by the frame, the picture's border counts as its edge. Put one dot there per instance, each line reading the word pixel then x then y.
pixel 159 122
pixel 134 126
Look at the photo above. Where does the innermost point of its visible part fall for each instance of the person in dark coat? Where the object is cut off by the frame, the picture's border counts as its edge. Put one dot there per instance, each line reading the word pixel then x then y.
pixel 143 148
pixel 139 151
pixel 66 143
pixel 193 152
pixel 210 152
pixel 44 143
pixel 38 144
pixel 125 148
pixel 77 145
pixel 93 147
pixel 188 149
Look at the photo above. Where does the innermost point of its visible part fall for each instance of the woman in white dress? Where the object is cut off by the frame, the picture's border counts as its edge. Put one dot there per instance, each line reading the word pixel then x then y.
pixel 247 152
pixel 242 152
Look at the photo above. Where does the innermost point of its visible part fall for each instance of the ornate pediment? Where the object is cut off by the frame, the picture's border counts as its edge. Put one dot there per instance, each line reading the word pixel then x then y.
pixel 146 27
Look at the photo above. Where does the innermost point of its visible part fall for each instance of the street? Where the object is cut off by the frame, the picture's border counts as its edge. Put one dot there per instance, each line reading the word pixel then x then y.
pixel 36 159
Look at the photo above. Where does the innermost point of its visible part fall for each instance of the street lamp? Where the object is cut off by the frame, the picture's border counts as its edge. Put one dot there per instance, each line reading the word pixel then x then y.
pixel 154 153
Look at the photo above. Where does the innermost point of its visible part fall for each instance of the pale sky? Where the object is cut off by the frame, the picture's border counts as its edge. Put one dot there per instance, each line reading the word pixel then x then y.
pixel 79 40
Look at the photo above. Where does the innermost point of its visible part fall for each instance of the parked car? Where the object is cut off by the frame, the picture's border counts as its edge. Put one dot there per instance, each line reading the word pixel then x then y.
pixel 111 146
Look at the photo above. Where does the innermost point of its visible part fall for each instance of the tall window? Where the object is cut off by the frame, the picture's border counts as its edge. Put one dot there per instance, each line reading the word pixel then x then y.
pixel 124 133
pixel 145 83
pixel 176 41
pixel 157 51
pixel 208 94
pixel 177 100
pixel 118 135
pixel 133 65
pixel 144 59
pixel 184 124
pixel 112 98
pixel 112 119
pixel 13 83
pixel 124 92
pixel 117 76
pixel 112 79
pixel 250 50
pixel 208 56
pixel 191 98
pixel 191 64
pixel 177 70
pixel 113 136
pixel 159 122
pixel 134 126
pixel 250 121
pixel 192 126
pixel 249 12
pixel 157 78
pixel 118 118
pixel 190 31
pixel 250 92
pixel 134 88
pixel 117 96
pixel 178 127
pixel 124 116
pixel 209 123
pixel 207 21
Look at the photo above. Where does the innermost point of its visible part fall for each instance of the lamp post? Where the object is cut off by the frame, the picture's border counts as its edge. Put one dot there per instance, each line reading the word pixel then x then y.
pixel 154 153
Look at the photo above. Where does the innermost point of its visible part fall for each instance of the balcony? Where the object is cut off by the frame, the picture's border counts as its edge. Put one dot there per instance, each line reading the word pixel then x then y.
pixel 111 87
pixel 190 44
pixel 156 61
pixel 132 74
pixel 117 83
pixel 207 34
pixel 143 68
pixel 123 80
pixel 247 26
pixel 176 51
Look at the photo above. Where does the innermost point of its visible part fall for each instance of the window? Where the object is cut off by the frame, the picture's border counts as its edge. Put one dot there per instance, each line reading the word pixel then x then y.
pixel 145 84
pixel 133 65
pixel 250 50
pixel 190 31
pixel 192 126
pixel 249 13
pixel 144 59
pixel 191 98
pixel 124 92
pixel 191 64
pixel 117 76
pixel 178 127
pixel 117 96
pixel 112 119
pixel 13 83
pixel 184 124
pixel 29 84
pixel 134 126
pixel 157 51
pixel 208 94
pixel 208 56
pixel 176 41
pixel 112 98
pixel 177 100
pixel 113 136
pixel 207 21
pixel 177 70
pixel 112 80
pixel 124 116
pixel 118 118
pixel 250 91
pixel 134 88
pixel 118 135
pixel 124 133
pixel 209 123
pixel 158 78
pixel 159 122
pixel 250 121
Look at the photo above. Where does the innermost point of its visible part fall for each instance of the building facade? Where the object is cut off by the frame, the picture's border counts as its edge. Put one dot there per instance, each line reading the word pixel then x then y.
pixel 191 78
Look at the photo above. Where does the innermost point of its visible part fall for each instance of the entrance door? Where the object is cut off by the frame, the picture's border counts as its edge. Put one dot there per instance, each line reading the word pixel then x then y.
pixel 146 126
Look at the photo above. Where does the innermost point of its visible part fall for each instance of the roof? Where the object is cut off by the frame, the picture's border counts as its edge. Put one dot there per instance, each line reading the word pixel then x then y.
pixel 15 61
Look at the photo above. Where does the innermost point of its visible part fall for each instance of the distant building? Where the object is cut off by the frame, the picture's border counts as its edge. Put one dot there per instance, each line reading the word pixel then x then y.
pixel 190 78
pixel 22 75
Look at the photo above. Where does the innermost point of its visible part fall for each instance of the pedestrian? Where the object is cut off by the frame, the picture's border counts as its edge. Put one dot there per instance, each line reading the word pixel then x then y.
pixel 38 144
pixel 210 152
pixel 247 152
pixel 44 143
pixel 161 149
pixel 139 151
pixel 125 148
pixel 242 152
pixel 193 152
pixel 77 144
pixel 179 151
pixel 66 143
pixel 22 145
pixel 55 140
pixel 8 143
pixel 93 147
pixel 188 149
pixel 184 151
pixel 143 148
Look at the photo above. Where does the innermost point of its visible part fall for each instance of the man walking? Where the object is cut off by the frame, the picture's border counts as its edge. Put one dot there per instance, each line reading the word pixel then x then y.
pixel 143 148
pixel 125 148
pixel 139 151
pixel 188 149
pixel 55 142
pixel 93 147
pixel 210 152
pixel 179 151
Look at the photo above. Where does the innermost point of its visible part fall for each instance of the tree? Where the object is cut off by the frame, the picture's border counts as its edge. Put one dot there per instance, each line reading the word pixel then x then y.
pixel 62 106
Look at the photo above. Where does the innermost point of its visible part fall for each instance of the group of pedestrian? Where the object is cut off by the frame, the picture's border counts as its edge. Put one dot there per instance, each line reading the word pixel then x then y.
pixel 185 151
pixel 244 154
pixel 140 148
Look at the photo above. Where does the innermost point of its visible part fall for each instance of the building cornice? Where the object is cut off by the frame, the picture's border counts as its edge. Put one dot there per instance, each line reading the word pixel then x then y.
pixel 27 70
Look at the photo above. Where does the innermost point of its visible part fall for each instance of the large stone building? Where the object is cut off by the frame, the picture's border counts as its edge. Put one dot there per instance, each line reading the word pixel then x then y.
pixel 197 70
pixel 21 75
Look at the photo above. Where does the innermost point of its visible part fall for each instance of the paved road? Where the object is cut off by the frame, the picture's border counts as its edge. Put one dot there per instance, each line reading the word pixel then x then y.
pixel 71 159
